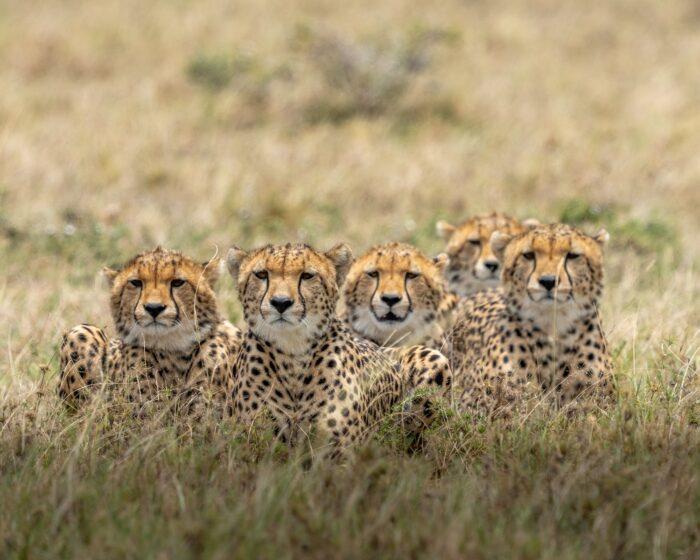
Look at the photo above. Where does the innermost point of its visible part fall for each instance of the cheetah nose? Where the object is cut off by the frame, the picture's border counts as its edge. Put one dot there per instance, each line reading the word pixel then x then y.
pixel 548 282
pixel 154 309
pixel 492 265
pixel 391 299
pixel 281 304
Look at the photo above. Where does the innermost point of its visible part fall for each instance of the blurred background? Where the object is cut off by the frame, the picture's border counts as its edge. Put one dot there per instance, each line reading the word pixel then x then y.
pixel 199 124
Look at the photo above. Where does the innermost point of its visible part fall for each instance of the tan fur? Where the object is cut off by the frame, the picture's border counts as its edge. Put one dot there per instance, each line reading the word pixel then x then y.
pixel 473 266
pixel 393 296
pixel 186 345
pixel 302 364
pixel 525 339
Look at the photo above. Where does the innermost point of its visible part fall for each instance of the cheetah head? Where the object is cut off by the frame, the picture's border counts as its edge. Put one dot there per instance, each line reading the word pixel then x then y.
pixel 163 300
pixel 552 268
pixel 393 291
pixel 289 292
pixel 473 265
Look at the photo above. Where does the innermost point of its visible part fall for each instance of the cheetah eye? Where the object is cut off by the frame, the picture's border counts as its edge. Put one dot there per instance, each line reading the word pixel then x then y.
pixel 177 282
pixel 529 256
pixel 307 275
pixel 475 242
pixel 372 273
pixel 412 275
pixel 136 283
pixel 262 274
pixel 572 256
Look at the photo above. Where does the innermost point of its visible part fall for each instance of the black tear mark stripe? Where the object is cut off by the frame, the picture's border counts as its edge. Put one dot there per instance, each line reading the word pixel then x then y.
pixel 301 296
pixel 267 287
pixel 376 287
pixel 568 274
pixel 408 296
pixel 375 280
pixel 138 299
pixel 177 307
pixel 534 267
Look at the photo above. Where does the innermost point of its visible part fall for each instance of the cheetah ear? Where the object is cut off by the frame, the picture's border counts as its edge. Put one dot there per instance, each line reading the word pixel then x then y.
pixel 445 230
pixel 441 261
pixel 212 270
pixel 341 257
pixel 531 223
pixel 602 237
pixel 108 275
pixel 499 241
pixel 233 261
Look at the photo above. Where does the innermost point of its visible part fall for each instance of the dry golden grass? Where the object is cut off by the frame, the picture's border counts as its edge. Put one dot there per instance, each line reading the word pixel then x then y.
pixel 202 124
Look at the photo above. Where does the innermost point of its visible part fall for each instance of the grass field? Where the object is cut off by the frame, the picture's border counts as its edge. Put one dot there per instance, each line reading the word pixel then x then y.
pixel 200 124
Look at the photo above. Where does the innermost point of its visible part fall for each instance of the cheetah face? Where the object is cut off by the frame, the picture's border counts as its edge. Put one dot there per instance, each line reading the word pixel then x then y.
pixel 473 266
pixel 393 289
pixel 554 266
pixel 289 292
pixel 163 300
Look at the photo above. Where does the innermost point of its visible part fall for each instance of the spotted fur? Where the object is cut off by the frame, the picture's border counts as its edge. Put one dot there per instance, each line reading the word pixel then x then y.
pixel 300 363
pixel 169 333
pixel 541 332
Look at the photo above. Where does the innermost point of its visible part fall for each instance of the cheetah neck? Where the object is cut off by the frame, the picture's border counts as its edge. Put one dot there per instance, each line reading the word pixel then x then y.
pixel 296 342
pixel 292 369
pixel 182 340
pixel 418 329
pixel 559 333
pixel 552 320
pixel 572 350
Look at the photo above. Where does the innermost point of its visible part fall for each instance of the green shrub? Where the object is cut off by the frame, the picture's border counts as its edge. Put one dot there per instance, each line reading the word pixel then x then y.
pixel 366 78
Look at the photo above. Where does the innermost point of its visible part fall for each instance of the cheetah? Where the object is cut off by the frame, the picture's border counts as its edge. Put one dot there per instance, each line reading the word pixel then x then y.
pixel 170 333
pixel 473 266
pixel 300 362
pixel 394 296
pixel 540 333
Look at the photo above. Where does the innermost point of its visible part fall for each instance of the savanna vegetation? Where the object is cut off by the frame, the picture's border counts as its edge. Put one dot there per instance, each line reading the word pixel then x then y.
pixel 201 124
